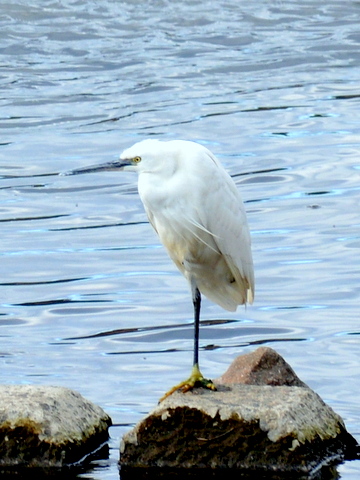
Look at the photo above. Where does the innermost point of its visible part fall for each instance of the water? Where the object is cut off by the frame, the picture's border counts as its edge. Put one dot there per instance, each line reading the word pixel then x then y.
pixel 89 299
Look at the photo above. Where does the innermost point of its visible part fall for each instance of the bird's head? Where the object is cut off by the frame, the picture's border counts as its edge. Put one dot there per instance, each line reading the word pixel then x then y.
pixel 146 156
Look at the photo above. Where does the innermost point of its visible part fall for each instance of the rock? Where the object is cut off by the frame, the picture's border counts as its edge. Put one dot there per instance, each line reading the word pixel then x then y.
pixel 264 366
pixel 247 428
pixel 48 426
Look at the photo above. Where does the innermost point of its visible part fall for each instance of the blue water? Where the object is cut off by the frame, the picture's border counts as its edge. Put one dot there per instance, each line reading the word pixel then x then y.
pixel 89 298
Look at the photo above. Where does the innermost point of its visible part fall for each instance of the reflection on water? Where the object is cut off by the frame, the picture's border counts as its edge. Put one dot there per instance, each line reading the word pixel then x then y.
pixel 89 298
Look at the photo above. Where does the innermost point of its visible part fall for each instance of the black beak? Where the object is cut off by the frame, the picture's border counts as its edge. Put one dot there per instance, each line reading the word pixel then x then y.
pixel 105 167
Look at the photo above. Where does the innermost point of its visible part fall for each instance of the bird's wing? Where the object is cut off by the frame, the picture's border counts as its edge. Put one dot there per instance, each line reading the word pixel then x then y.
pixel 225 218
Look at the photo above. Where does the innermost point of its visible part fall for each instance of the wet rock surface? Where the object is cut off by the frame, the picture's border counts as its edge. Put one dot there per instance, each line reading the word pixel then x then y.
pixel 259 428
pixel 48 426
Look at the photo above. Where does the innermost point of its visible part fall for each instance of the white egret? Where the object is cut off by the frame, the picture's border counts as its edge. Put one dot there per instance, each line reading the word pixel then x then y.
pixel 197 212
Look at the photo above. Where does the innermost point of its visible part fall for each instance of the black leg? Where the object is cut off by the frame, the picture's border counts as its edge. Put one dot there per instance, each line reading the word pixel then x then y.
pixel 196 378
pixel 197 304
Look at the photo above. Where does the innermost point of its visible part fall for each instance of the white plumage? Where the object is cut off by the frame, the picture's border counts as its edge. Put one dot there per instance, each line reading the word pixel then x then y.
pixel 196 209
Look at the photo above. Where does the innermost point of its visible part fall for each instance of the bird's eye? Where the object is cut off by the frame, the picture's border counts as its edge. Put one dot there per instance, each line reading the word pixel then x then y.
pixel 137 159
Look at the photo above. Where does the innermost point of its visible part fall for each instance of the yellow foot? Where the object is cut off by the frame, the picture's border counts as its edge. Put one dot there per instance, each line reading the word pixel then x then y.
pixel 195 380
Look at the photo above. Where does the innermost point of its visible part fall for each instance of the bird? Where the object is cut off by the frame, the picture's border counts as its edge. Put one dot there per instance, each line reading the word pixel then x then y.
pixel 197 212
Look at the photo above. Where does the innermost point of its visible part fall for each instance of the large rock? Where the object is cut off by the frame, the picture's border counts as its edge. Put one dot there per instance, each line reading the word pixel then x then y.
pixel 48 426
pixel 261 428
